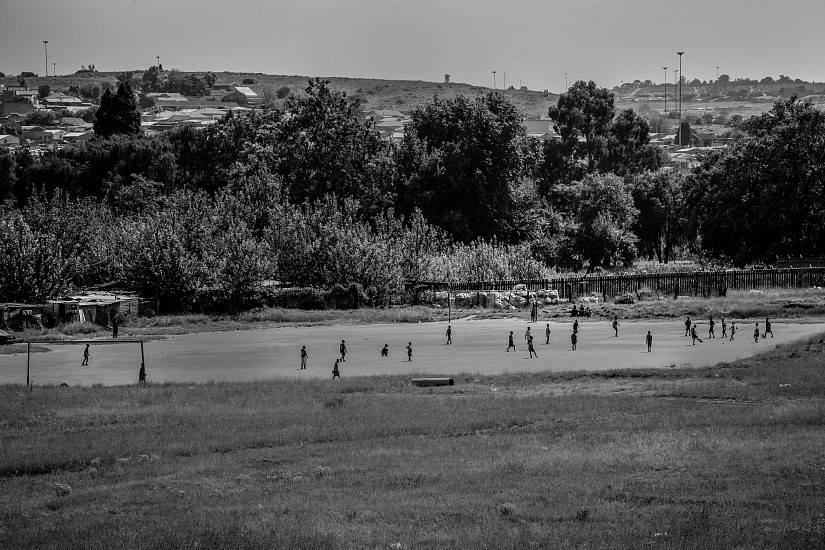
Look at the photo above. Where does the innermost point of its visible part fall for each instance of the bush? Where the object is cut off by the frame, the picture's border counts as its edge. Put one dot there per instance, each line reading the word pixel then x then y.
pixel 298 298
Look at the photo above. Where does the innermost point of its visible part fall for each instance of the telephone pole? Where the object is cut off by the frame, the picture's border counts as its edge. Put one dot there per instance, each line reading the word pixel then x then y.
pixel 680 96
pixel 46 48
pixel 665 68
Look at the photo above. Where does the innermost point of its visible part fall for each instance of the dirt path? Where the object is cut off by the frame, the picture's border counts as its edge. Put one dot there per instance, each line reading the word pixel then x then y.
pixel 478 347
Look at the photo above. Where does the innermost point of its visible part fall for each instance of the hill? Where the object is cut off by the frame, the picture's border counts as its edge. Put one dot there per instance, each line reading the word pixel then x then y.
pixel 375 93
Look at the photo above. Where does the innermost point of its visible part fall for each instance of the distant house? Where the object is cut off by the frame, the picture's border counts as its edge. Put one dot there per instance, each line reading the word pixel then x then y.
pixel 251 97
pixel 59 100
pixel 39 134
pixel 75 137
pixel 75 123
pixel 7 140
pixel 540 127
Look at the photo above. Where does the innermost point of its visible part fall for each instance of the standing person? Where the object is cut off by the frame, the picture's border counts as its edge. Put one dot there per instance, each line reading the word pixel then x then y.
pixel 573 340
pixel 114 325
pixel 616 326
pixel 530 347
pixel 574 311
pixel 85 356
pixel 547 333
pixel 768 328
pixel 576 326
pixel 449 335
pixel 756 334
pixel 142 376
pixel 303 357
pixel 335 372
pixel 695 335
pixel 534 314
pixel 527 335
pixel 409 351
pixel 711 324
pixel 343 349
pixel 724 328
pixel 649 341
pixel 510 342
pixel 732 331
pixel 385 351
pixel 687 326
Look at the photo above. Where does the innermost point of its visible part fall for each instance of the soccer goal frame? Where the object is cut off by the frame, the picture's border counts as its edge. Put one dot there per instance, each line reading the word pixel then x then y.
pixel 76 342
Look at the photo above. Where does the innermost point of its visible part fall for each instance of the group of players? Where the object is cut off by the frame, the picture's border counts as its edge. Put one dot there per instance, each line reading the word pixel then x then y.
pixel 690 330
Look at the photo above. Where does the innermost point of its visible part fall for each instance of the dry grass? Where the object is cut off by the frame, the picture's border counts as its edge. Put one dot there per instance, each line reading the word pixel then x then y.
pixel 709 458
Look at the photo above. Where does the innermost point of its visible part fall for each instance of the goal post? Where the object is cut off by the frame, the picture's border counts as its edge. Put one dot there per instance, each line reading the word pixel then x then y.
pixel 76 342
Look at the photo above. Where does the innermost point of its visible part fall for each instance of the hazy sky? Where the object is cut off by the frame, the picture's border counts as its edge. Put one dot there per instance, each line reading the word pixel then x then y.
pixel 534 41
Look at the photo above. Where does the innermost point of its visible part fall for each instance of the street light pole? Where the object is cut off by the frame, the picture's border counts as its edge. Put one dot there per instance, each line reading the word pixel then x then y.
pixel 494 80
pixel 665 68
pixel 565 82
pixel 54 69
pixel 158 61
pixel 680 96
pixel 504 86
pixel 717 72
pixel 46 48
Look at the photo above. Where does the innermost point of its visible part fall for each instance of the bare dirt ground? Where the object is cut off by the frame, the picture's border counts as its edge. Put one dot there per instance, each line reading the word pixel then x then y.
pixel 478 347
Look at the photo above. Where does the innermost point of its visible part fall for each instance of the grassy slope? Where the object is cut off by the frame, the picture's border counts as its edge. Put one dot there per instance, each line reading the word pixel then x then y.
pixel 706 458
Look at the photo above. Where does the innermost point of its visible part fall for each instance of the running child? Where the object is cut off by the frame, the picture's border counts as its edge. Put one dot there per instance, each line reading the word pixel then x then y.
pixel 732 331
pixel 85 356
pixel 768 328
pixel 724 328
pixel 449 335
pixel 343 349
pixel 530 347
pixel 576 326
pixel 695 335
pixel 510 342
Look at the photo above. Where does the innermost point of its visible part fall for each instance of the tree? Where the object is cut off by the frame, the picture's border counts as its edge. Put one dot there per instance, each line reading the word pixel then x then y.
pixel 585 111
pixel 604 213
pixel 661 224
pixel 118 113
pixel 319 144
pixel 763 196
pixel 282 92
pixel 628 149
pixel 209 79
pixel 458 162
pixel 43 91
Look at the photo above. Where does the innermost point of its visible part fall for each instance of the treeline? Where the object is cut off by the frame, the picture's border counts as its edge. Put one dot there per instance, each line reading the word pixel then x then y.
pixel 310 194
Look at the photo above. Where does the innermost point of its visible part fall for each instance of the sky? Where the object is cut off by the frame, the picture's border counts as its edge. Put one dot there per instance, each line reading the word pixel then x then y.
pixel 528 42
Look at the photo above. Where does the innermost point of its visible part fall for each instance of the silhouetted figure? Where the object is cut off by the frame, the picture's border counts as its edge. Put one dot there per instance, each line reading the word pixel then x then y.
pixel 343 349
pixel 687 326
pixel 724 328
pixel 574 339
pixel 616 326
pixel 409 351
pixel 695 335
pixel 547 333
pixel 385 351
pixel 711 324
pixel 335 372
pixel 85 356
pixel 510 343
pixel 114 326
pixel 449 335
pixel 768 328
pixel 756 334
pixel 303 357
pixel 142 376
pixel 649 341
pixel 574 312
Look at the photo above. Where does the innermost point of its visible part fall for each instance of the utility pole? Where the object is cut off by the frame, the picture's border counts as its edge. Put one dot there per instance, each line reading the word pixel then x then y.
pixel 494 80
pixel 158 61
pixel 565 82
pixel 717 72
pixel 54 69
pixel 46 48
pixel 680 96
pixel 504 87
pixel 665 68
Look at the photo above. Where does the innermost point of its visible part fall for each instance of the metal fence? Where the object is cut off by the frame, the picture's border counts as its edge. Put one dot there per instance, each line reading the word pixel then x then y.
pixel 693 283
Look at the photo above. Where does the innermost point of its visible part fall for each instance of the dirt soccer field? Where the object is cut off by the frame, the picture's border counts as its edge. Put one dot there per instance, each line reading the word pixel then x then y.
pixel 478 347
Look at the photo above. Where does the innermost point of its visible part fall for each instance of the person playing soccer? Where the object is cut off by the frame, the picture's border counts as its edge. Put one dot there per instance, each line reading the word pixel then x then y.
pixel 449 335
pixel 510 342
pixel 768 328
pixel 85 356
pixel 711 324
pixel 409 351
pixel 385 351
pixel 687 326
pixel 616 326
pixel 343 349
pixel 303 357
pixel 649 341
pixel 142 376
pixel 335 372
pixel 547 333
pixel 695 335
pixel 574 338
pixel 530 347
pixel 756 334
pixel 576 326
pixel 527 334
pixel 724 328
pixel 732 331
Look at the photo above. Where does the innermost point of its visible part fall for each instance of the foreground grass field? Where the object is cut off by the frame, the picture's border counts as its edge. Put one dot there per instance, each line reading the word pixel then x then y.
pixel 729 456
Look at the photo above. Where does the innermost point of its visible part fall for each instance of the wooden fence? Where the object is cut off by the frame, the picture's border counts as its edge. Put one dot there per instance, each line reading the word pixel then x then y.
pixel 693 283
